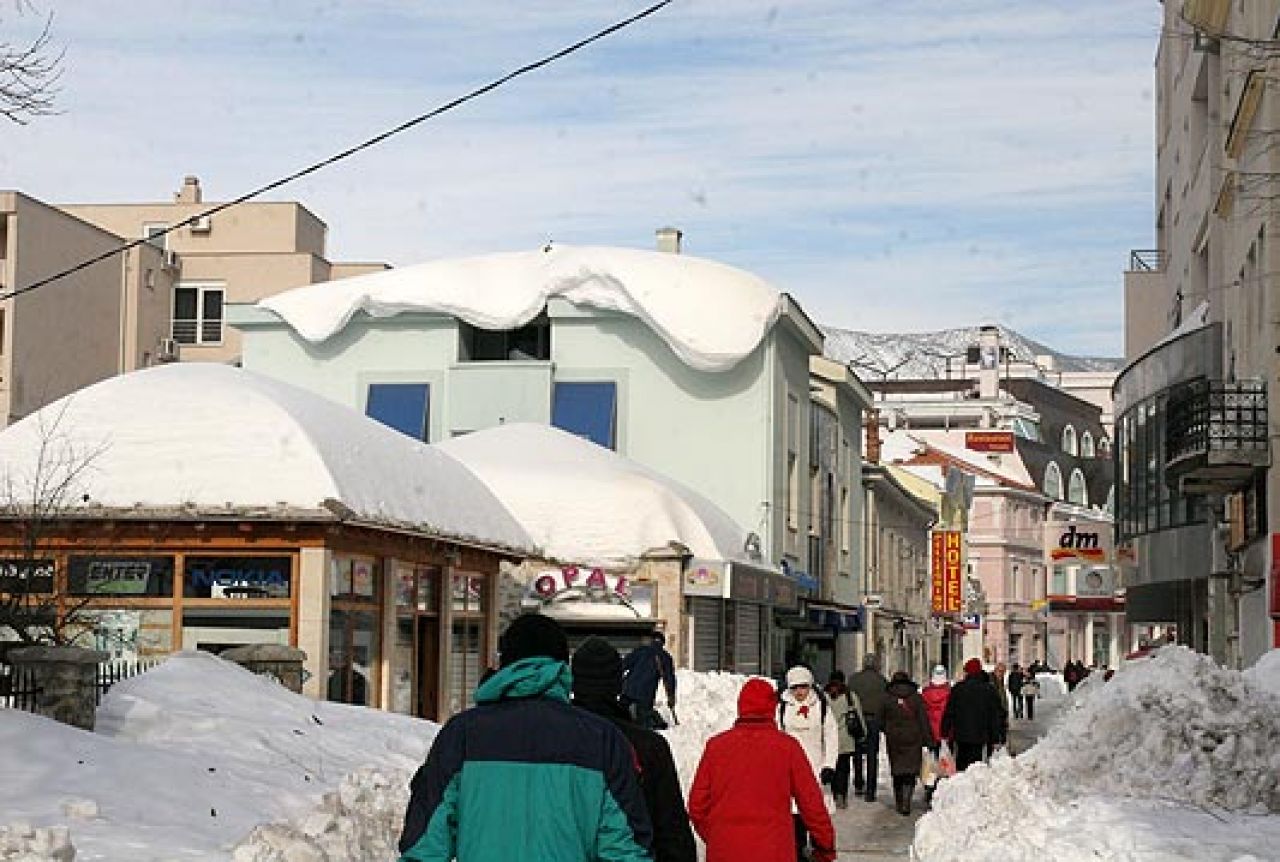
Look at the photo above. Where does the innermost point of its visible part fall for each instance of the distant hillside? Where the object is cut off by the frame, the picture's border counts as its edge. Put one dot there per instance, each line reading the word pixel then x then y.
pixel 923 355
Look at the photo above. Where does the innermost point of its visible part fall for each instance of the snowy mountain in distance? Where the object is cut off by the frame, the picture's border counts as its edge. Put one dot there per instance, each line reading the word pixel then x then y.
pixel 924 355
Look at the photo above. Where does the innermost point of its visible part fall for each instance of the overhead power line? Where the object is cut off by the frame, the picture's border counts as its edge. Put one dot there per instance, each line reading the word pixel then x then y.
pixel 350 151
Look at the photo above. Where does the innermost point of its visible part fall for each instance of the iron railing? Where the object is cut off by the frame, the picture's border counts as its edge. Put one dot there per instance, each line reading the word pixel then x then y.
pixel 1215 423
pixel 1148 260
pixel 18 689
pixel 111 672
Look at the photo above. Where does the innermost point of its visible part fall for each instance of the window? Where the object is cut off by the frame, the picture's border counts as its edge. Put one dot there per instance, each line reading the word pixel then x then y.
pixel 1086 446
pixel 1077 491
pixel 531 342
pixel 1 332
pixel 1026 429
pixel 405 407
pixel 1052 482
pixel 155 235
pixel 793 463
pixel 197 313
pixel 1069 441
pixel 589 410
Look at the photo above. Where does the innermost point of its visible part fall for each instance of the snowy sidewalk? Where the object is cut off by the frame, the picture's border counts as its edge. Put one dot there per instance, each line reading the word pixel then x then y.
pixel 875 832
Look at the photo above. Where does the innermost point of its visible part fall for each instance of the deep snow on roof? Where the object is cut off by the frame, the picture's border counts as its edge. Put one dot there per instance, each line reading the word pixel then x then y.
pixel 212 436
pixel 711 315
pixel 586 504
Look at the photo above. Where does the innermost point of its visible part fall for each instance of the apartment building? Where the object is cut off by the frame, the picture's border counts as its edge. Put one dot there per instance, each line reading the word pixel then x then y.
pixel 1193 433
pixel 159 302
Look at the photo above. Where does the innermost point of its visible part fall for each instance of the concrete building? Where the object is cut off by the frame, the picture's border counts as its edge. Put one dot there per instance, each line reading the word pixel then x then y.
pixel 158 302
pixel 1194 435
pixel 738 427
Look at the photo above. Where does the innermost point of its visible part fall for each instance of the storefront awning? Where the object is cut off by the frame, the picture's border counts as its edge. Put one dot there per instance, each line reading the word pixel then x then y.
pixel 829 615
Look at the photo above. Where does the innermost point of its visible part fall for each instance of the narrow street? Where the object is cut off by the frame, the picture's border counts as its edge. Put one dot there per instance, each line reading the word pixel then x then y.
pixel 875 832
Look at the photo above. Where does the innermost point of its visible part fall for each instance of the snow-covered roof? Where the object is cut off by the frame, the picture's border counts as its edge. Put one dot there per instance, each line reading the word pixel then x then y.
pixel 583 503
pixel 214 437
pixel 903 445
pixel 711 315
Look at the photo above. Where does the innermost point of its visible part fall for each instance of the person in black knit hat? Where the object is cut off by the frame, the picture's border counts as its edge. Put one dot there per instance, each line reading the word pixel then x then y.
pixel 493 769
pixel 597 684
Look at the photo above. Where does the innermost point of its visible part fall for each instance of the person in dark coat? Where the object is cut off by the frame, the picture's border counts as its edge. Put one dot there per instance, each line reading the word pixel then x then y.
pixel 907 734
pixel 869 685
pixel 597 684
pixel 748 777
pixel 973 717
pixel 644 667
pixel 1014 683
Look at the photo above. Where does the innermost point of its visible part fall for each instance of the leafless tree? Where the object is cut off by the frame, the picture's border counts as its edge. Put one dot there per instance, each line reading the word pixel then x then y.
pixel 29 72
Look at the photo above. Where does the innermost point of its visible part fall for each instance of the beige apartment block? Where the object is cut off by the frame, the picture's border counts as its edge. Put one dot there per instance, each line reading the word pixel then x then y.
pixel 161 301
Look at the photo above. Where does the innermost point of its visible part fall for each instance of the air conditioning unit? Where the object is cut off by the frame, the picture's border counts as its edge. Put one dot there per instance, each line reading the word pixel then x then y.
pixel 167 350
pixel 201 224
pixel 171 259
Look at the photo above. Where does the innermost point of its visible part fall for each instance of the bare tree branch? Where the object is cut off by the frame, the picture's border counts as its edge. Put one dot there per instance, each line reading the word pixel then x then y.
pixel 29 75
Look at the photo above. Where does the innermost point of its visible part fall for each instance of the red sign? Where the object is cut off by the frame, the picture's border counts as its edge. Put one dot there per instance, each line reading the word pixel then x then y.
pixel 947 564
pixel 989 441
pixel 1275 576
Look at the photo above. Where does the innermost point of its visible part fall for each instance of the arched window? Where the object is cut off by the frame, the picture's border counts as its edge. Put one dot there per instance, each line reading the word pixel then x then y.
pixel 1111 501
pixel 1086 446
pixel 1104 447
pixel 1077 491
pixel 1052 482
pixel 1069 441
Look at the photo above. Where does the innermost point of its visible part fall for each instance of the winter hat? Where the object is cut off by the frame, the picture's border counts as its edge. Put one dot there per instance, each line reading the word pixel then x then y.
pixel 939 675
pixel 871 661
pixel 972 667
pixel 799 675
pixel 900 676
pixel 836 676
pixel 532 635
pixel 659 638
pixel 597 668
pixel 757 698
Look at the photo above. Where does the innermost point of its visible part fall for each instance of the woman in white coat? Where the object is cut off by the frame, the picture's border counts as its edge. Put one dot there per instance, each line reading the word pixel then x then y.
pixel 805 714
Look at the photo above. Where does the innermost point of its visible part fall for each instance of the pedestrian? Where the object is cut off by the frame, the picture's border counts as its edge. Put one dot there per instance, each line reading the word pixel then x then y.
pixel 935 696
pixel 597 686
pixel 906 735
pixel 1014 683
pixel 997 681
pixel 644 667
pixel 804 714
pixel 747 781
pixel 1072 674
pixel 848 713
pixel 869 686
pixel 1030 691
pixel 495 771
pixel 972 716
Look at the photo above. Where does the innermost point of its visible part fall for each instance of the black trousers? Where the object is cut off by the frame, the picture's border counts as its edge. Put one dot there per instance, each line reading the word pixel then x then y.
pixel 802 839
pixel 1031 706
pixel 1016 697
pixel 840 784
pixel 967 753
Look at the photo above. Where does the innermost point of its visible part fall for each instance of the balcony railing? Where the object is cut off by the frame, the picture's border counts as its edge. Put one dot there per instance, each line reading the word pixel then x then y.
pixel 1148 260
pixel 1216 435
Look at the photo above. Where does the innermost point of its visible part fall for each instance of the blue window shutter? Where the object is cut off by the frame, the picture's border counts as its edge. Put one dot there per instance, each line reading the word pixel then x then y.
pixel 402 406
pixel 587 409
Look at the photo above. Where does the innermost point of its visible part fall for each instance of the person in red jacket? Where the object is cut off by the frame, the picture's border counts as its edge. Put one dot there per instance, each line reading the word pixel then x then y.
pixel 935 696
pixel 740 801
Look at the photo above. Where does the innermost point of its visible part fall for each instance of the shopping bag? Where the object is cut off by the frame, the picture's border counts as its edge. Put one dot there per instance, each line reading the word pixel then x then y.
pixel 946 762
pixel 928 769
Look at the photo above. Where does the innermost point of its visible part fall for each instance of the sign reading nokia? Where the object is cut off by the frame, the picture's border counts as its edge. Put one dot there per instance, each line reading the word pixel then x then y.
pixel 237 577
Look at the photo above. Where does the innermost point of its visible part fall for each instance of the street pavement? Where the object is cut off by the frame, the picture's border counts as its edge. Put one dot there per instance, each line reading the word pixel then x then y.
pixel 875 832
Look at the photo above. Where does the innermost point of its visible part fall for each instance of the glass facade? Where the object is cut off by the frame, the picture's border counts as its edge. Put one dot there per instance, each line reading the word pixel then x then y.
pixel 1145 502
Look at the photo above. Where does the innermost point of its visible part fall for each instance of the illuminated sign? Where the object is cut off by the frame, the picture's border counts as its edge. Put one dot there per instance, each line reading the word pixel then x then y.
pixel 989 441
pixel 947 567
pixel 26 576
pixel 1085 543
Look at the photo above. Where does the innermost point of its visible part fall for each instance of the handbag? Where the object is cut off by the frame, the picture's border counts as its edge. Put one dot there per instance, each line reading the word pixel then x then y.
pixel 928 769
pixel 853 721
pixel 946 761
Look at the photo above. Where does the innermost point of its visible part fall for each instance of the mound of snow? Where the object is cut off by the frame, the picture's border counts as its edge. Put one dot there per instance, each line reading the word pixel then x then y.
pixel 712 707
pixel 1172 749
pixel 23 842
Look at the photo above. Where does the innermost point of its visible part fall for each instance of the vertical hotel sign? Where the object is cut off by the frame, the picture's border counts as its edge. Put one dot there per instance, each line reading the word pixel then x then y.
pixel 947 560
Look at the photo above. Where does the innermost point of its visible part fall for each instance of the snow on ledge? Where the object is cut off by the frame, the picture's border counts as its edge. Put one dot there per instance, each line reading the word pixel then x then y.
pixel 711 315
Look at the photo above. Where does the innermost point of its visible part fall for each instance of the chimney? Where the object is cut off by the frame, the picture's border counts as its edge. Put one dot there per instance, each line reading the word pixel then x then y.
pixel 190 191
pixel 989 362
pixel 669 239
pixel 871 425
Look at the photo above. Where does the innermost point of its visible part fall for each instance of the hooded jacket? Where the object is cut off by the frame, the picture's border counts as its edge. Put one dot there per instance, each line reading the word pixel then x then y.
pixel 740 801
pixel 526 775
pixel 906 727
pixel 935 697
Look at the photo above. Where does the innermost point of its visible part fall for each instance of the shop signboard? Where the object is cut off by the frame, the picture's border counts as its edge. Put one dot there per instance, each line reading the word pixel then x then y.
pixel 1089 542
pixel 237 577
pixel 123 577
pixel 995 442
pixel 588 587
pixel 705 578
pixel 946 560
pixel 971 622
pixel 26 576
pixel 1275 576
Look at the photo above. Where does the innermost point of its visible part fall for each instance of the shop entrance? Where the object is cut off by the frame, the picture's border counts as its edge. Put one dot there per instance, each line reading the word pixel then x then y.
pixel 428 670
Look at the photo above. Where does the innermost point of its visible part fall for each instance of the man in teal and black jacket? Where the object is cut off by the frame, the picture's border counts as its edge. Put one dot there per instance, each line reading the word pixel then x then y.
pixel 525 775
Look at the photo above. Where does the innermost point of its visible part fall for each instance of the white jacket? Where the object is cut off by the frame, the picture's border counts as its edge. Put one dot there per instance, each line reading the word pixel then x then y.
pixel 819 739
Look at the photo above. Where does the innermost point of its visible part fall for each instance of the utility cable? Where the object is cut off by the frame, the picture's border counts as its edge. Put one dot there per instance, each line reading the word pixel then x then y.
pixel 350 151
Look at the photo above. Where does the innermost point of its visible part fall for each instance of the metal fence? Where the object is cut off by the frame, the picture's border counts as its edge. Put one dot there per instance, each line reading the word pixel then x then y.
pixel 111 672
pixel 18 689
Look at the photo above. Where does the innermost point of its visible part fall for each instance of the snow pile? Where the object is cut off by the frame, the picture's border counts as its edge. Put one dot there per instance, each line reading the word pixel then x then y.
pixel 1171 750
pixel 23 842
pixel 710 707
pixel 711 315
pixel 1266 673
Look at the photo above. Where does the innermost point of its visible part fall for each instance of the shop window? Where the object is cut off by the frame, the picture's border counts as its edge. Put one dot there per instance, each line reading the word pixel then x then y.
pixel 406 407
pixel 237 577
pixel 124 577
pixel 124 634
pixel 353 657
pixel 467 659
pixel 232 624
pixel 353 578
pixel 531 342
pixel 589 410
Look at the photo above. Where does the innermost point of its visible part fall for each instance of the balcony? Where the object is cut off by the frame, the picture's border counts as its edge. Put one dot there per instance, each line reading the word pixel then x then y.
pixel 1216 435
pixel 1148 260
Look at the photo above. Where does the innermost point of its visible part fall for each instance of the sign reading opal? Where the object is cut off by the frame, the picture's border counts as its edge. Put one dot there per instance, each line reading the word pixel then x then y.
pixel 548 585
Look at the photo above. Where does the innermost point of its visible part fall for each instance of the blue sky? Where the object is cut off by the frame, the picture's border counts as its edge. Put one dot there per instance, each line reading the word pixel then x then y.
pixel 903 165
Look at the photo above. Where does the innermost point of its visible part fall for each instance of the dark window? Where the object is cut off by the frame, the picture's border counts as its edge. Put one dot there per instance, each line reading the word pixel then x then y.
pixel 237 577
pixel 120 576
pixel 530 342
pixel 402 406
pixel 197 314
pixel 588 410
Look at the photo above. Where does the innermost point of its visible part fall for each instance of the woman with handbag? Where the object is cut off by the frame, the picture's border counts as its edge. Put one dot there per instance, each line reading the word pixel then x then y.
pixel 852 728
pixel 907 734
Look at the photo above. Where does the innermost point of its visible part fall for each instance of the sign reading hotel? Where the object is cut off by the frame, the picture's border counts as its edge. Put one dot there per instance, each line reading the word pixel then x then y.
pixel 1080 543
pixel 989 441
pixel 947 564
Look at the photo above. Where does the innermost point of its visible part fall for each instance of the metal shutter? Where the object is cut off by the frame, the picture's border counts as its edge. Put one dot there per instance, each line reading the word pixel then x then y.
pixel 708 617
pixel 748 638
